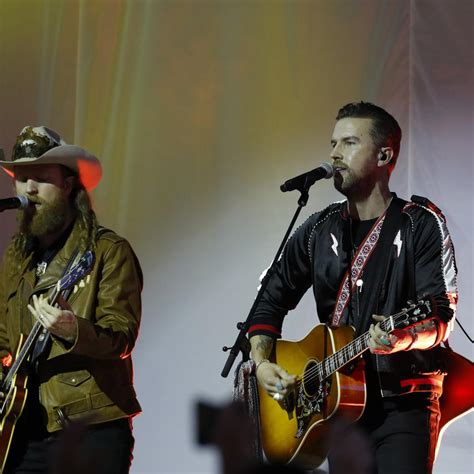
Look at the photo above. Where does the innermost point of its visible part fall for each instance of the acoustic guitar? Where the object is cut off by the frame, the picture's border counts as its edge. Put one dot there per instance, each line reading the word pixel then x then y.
pixel 14 386
pixel 331 381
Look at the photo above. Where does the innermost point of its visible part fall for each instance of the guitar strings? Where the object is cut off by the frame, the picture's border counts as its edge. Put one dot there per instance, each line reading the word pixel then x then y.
pixel 317 372
pixel 318 369
pixel 347 351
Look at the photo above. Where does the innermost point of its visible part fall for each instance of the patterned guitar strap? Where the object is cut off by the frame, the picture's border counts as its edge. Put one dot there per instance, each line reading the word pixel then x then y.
pixel 376 245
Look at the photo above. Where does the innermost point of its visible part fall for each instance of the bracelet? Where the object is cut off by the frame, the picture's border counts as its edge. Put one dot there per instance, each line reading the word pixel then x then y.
pixel 260 362
pixel 414 336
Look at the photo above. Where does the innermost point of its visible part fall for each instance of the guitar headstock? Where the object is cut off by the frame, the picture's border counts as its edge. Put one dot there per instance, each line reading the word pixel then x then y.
pixel 412 314
pixel 78 272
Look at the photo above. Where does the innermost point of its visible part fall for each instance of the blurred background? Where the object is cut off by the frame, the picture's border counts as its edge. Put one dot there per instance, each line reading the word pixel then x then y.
pixel 199 110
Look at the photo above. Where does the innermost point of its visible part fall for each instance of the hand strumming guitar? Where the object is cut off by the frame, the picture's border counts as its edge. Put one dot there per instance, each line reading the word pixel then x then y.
pixel 274 379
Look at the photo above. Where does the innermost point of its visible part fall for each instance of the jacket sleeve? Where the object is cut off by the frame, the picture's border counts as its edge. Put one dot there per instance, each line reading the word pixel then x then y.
pixel 118 307
pixel 4 344
pixel 435 268
pixel 286 286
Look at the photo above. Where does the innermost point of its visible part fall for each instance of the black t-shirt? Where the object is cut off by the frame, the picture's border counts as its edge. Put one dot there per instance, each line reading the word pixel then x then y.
pixel 359 230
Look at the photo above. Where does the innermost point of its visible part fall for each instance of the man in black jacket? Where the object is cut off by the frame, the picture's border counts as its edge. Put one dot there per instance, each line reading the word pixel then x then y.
pixel 359 280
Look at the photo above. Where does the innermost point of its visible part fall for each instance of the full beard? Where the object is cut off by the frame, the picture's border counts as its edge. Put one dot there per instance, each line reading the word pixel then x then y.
pixel 48 219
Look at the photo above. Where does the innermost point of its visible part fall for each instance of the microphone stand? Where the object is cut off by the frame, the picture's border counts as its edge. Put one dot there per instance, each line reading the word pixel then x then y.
pixel 242 344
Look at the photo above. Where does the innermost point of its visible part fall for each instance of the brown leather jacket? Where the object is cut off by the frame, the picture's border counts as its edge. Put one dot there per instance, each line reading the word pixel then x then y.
pixel 91 379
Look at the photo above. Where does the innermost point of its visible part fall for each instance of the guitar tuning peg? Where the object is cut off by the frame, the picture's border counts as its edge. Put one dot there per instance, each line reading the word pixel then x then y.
pixel 88 278
pixel 76 288
pixel 82 284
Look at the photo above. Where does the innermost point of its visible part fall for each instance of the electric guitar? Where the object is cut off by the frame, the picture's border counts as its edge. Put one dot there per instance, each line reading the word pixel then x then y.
pixel 458 390
pixel 13 389
pixel 331 381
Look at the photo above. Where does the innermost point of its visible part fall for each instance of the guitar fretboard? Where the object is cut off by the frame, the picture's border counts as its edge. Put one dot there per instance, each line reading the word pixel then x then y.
pixel 339 359
pixel 331 364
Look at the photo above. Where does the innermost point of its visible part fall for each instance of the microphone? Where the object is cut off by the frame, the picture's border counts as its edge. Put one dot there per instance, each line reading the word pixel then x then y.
pixel 307 179
pixel 19 202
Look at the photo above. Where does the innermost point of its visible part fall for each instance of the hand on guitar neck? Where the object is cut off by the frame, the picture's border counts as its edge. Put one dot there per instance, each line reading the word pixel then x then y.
pixel 59 319
pixel 421 336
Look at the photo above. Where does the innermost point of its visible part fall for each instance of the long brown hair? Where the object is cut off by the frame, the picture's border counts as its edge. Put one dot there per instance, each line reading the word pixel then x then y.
pixel 85 216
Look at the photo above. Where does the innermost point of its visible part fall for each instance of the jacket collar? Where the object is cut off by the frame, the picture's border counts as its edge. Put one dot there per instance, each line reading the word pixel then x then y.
pixel 59 262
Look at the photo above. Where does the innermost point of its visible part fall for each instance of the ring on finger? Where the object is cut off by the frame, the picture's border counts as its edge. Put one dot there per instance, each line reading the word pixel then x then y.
pixel 385 340
pixel 279 385
pixel 277 397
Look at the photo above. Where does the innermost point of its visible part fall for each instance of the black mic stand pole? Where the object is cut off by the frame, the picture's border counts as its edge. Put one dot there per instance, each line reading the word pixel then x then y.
pixel 242 344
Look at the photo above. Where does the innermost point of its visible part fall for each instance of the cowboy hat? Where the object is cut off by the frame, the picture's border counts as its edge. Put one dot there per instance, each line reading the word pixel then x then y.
pixel 43 146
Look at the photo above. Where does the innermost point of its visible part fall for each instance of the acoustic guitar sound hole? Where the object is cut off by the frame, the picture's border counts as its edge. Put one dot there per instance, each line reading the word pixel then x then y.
pixel 310 379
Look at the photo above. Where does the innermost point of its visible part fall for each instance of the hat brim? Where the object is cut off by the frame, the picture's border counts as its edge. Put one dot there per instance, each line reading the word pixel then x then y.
pixel 86 165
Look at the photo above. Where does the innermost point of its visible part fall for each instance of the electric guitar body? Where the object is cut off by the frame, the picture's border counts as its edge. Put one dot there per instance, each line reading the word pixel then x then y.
pixel 458 390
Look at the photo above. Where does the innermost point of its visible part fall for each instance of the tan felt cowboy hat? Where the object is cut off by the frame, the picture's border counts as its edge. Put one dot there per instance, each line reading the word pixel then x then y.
pixel 43 146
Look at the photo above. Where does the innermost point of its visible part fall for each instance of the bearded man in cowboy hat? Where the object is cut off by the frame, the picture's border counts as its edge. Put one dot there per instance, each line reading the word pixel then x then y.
pixel 80 366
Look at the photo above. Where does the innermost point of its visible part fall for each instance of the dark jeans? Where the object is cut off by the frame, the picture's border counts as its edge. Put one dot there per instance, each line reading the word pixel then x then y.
pixel 104 448
pixel 403 431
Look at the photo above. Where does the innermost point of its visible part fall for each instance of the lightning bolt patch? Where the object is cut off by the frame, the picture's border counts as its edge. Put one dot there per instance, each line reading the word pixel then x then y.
pixel 398 243
pixel 335 244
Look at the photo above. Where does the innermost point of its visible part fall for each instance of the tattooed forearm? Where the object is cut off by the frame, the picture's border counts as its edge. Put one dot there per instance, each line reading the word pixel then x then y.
pixel 425 334
pixel 261 346
pixel 265 343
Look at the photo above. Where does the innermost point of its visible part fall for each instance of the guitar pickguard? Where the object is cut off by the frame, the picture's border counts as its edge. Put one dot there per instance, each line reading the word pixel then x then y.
pixel 310 400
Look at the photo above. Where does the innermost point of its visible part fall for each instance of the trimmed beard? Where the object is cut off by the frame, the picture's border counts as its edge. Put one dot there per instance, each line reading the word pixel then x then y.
pixel 354 188
pixel 48 219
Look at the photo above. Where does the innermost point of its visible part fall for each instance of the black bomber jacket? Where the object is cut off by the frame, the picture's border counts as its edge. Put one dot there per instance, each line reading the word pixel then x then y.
pixel 318 256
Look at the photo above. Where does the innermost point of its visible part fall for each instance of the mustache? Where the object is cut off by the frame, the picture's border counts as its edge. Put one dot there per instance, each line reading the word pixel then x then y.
pixel 35 200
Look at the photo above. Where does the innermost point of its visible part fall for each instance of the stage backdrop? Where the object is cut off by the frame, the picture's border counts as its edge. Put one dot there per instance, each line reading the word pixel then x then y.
pixel 199 110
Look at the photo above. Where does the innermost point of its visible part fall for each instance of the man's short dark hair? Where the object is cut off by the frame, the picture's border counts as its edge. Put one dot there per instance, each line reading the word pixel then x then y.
pixel 385 130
